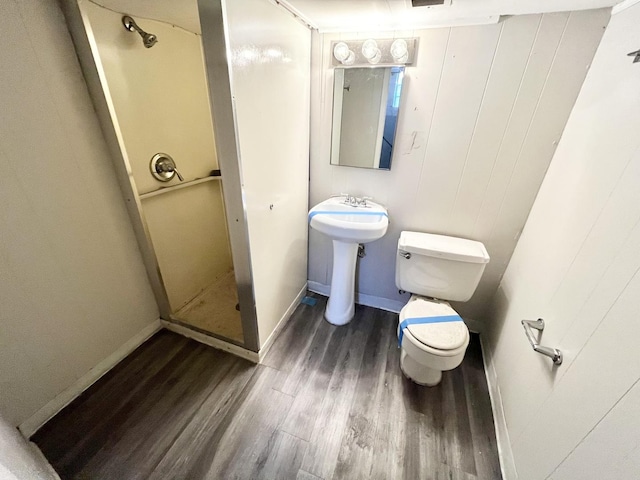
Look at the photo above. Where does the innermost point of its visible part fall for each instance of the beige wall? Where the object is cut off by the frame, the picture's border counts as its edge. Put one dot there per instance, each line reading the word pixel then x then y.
pixel 159 96
pixel 482 111
pixel 73 289
pixel 190 238
pixel 270 84
pixel 577 265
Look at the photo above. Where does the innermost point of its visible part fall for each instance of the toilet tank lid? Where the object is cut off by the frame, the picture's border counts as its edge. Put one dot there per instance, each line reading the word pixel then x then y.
pixel 442 246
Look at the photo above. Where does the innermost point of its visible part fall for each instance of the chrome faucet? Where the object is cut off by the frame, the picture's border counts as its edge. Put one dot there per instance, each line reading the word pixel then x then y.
pixel 353 200
pixel 348 198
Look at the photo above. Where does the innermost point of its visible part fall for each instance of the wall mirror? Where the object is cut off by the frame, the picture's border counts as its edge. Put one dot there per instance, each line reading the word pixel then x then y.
pixel 365 114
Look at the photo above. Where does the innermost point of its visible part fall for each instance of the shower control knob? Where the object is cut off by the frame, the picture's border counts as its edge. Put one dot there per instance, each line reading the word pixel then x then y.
pixel 163 168
pixel 178 174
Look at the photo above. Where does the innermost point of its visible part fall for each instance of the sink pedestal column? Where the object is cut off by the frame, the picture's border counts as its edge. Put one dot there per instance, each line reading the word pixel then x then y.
pixel 341 305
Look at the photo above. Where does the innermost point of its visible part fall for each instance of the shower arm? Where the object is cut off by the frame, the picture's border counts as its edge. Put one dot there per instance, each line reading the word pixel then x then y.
pixel 148 39
pixel 130 24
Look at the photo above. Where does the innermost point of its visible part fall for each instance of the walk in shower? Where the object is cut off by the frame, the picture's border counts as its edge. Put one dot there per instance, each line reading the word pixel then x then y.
pixel 157 96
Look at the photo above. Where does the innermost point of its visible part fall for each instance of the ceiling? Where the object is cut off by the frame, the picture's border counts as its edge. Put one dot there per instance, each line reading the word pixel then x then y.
pixel 364 15
pixel 183 13
pixel 360 15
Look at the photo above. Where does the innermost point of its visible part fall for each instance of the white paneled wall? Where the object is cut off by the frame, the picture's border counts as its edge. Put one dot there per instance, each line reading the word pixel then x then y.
pixel 612 449
pixel 577 265
pixel 19 459
pixel 270 67
pixel 482 111
pixel 73 288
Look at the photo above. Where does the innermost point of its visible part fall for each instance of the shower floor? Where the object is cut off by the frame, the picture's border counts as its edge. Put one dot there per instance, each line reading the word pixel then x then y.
pixel 214 309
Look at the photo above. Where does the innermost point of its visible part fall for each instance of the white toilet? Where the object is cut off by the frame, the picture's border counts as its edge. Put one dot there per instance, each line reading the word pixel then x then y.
pixel 435 268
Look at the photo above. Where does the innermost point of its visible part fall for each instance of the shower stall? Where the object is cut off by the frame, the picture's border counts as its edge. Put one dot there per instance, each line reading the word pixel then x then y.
pixel 155 87
pixel 204 105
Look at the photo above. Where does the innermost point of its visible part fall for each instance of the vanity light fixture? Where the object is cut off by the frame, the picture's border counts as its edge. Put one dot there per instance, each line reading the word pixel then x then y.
pixel 370 51
pixel 383 52
pixel 399 50
pixel 351 58
pixel 343 54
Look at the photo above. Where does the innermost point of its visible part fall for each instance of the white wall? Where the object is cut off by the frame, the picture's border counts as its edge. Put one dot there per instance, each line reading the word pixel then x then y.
pixel 270 67
pixel 73 288
pixel 577 266
pixel 481 113
pixel 21 460
pixel 160 103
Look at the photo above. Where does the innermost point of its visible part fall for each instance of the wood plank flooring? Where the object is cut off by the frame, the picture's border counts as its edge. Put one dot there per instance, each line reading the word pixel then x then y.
pixel 328 402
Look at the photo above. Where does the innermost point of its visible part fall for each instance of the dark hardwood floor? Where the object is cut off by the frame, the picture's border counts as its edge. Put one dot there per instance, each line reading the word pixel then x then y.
pixel 328 402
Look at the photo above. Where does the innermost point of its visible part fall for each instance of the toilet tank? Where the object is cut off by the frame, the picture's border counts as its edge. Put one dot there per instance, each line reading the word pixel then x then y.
pixel 438 266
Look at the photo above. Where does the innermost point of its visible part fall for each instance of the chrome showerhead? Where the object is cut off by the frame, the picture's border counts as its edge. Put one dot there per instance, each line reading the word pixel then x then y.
pixel 148 39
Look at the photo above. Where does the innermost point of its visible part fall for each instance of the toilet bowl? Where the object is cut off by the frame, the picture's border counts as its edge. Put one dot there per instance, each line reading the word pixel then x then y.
pixel 428 349
pixel 432 336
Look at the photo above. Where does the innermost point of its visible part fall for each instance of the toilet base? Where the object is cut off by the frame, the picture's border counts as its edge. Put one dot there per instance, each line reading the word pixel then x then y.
pixel 417 372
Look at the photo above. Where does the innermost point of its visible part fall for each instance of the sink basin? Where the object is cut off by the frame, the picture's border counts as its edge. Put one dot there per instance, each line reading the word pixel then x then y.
pixel 347 225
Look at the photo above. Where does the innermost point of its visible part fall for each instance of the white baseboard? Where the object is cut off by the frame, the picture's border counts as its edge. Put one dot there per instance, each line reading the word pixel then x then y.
pixel 385 303
pixel 505 454
pixel 317 287
pixel 362 299
pixel 283 321
pixel 42 416
pixel 211 341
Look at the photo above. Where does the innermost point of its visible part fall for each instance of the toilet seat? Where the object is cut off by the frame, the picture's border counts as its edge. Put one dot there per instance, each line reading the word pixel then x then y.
pixel 441 339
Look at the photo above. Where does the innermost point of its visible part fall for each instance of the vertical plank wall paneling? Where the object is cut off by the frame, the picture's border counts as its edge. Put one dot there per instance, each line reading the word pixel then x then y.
pixel 73 288
pixel 577 266
pixel 483 109
pixel 613 442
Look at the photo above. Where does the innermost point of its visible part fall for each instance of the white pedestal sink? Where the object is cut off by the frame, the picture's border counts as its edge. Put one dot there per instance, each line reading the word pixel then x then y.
pixel 348 222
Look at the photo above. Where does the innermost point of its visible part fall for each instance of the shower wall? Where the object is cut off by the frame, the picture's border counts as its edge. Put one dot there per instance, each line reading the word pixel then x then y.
pixel 270 73
pixel 159 96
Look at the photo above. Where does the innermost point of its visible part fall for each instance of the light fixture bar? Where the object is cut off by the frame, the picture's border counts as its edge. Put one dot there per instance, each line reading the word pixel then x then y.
pixel 374 51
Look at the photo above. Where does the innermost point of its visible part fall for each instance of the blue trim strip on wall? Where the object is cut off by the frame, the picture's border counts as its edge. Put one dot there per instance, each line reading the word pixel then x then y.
pixel 340 212
pixel 423 320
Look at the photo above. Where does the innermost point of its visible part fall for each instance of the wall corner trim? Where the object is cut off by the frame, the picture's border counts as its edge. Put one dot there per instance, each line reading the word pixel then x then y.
pixel 297 14
pixel 505 453
pixel 623 6
pixel 64 398
pixel 283 321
